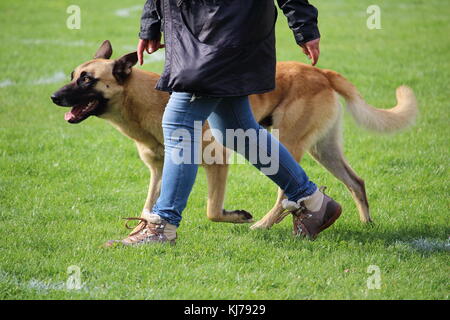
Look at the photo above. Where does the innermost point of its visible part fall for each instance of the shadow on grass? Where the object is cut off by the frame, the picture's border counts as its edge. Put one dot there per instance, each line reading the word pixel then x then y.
pixel 425 239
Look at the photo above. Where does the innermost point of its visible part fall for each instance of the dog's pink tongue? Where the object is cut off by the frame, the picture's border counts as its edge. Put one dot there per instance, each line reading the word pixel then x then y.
pixel 69 115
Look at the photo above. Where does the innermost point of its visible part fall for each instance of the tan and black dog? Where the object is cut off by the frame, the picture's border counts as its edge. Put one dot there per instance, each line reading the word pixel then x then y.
pixel 304 107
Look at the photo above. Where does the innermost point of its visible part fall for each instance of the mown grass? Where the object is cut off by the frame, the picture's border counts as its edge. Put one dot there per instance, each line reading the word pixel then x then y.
pixel 63 188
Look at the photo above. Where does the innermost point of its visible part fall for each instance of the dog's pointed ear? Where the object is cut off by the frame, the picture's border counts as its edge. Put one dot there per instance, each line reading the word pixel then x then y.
pixel 105 51
pixel 123 66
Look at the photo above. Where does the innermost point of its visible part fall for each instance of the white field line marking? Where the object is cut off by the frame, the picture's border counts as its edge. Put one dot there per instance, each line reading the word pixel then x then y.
pixel 157 56
pixel 430 245
pixel 154 57
pixel 60 75
pixel 6 83
pixel 33 284
pixel 55 78
pixel 126 12
pixel 129 48
pixel 44 287
pixel 78 43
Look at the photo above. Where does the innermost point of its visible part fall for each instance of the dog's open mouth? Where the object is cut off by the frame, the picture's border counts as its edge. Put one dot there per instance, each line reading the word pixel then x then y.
pixel 81 112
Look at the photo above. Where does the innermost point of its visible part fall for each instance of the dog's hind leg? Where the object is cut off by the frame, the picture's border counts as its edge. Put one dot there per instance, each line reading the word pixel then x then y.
pixel 217 178
pixel 275 215
pixel 328 152
pixel 278 213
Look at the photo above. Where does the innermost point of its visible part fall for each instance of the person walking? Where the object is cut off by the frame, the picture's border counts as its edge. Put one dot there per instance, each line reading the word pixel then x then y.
pixel 217 53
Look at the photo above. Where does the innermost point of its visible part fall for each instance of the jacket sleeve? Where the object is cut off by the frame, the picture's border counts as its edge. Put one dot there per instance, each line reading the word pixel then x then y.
pixel 302 19
pixel 150 22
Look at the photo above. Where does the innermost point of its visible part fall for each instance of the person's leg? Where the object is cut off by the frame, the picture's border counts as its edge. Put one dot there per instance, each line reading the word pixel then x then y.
pixel 312 210
pixel 235 113
pixel 182 127
pixel 182 149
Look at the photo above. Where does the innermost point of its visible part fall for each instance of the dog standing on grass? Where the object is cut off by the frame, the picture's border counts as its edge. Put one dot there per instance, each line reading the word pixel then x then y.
pixel 304 107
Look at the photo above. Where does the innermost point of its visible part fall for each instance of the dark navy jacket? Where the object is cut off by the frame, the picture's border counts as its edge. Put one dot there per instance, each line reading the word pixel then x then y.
pixel 222 47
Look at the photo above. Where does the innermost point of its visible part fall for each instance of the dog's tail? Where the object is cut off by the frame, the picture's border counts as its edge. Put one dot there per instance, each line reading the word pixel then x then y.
pixel 380 120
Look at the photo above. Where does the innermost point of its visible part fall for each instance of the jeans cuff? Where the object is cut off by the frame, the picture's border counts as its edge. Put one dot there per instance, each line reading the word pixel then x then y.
pixel 312 187
pixel 169 217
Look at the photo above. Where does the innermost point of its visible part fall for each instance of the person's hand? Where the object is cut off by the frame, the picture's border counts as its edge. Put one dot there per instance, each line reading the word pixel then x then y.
pixel 311 49
pixel 148 45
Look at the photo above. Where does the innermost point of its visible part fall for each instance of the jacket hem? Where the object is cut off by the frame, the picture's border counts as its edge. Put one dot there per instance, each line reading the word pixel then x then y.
pixel 219 95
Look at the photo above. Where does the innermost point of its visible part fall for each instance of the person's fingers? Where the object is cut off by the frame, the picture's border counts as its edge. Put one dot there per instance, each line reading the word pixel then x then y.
pixel 140 58
pixel 305 50
pixel 149 47
pixel 140 53
pixel 314 55
pixel 154 45
pixel 316 51
pixel 307 53
pixel 311 49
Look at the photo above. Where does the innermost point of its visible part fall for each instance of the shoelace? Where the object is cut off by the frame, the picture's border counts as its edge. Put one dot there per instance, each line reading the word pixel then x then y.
pixel 143 221
pixel 322 189
pixel 142 229
pixel 300 211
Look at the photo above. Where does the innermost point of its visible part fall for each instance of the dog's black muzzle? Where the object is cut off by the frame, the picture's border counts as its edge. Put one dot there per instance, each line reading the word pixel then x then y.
pixel 61 97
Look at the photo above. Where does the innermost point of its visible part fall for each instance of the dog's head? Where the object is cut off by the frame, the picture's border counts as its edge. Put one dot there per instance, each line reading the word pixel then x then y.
pixel 94 84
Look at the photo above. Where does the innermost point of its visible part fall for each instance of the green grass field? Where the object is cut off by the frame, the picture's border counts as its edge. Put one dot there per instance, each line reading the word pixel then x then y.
pixel 64 188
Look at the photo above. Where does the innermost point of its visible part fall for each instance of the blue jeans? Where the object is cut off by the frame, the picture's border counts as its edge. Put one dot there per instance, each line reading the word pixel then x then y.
pixel 180 134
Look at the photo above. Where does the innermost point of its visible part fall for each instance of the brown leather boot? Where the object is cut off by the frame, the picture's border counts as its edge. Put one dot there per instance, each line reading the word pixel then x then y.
pixel 308 223
pixel 151 229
